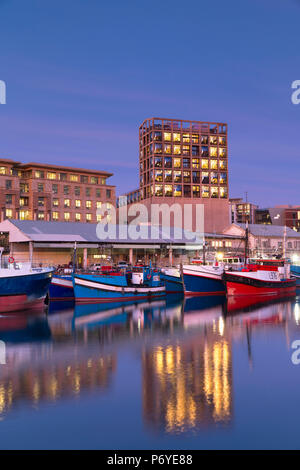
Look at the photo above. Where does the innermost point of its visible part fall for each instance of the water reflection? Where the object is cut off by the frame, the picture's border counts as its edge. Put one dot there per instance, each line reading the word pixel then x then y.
pixel 185 349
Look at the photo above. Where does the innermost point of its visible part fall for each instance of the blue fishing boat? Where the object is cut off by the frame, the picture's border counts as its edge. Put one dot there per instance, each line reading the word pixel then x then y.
pixel 61 287
pixel 23 287
pixel 140 283
pixel 172 279
pixel 203 280
pixel 295 273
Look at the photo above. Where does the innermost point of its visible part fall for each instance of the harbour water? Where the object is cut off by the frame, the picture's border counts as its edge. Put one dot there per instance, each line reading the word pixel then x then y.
pixel 199 373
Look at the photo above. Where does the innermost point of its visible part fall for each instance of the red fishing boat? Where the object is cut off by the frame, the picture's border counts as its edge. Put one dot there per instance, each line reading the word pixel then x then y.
pixel 260 277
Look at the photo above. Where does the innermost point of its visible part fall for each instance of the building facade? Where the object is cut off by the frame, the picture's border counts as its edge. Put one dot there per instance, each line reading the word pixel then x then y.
pixel 185 162
pixel 288 215
pixel 35 191
pixel 241 211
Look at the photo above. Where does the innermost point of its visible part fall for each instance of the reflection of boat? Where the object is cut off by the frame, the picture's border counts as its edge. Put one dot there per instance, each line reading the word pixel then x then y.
pixel 23 287
pixel 262 312
pixel 23 328
pixel 61 287
pixel 172 279
pixel 202 310
pixel 236 303
pixel 142 283
pixel 203 280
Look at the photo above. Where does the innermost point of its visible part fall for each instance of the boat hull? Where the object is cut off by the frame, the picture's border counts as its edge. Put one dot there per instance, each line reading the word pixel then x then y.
pixel 242 285
pixel 202 283
pixel 174 284
pixel 61 288
pixel 92 288
pixel 23 292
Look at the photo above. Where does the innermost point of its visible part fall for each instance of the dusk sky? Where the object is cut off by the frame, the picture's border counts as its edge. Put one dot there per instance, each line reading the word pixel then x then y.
pixel 82 75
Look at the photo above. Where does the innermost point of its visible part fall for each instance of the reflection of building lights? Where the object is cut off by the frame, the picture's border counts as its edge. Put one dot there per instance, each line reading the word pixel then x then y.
pixel 219 256
pixel 221 326
pixel 297 314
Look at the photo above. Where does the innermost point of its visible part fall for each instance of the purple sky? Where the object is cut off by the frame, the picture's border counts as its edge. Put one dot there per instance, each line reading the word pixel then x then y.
pixel 82 75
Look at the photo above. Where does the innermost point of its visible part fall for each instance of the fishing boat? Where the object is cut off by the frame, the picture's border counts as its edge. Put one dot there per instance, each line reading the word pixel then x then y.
pixel 203 280
pixel 172 279
pixel 265 277
pixel 23 287
pixel 139 283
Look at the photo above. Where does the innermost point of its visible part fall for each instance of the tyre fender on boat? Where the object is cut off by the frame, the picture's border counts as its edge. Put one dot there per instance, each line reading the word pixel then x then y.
pixel 11 259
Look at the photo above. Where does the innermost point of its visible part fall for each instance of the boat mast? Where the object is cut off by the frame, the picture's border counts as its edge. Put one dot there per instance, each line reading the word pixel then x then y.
pixel 246 241
pixel 284 243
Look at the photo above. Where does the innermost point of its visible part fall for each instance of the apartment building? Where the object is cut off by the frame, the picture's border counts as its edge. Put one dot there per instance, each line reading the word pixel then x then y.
pixel 36 191
pixel 242 211
pixel 184 162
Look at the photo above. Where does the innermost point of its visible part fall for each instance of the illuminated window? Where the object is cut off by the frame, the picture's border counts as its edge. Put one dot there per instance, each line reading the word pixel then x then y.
pixel 157 136
pixel 214 177
pixel 177 162
pixel 177 176
pixel 186 138
pixel 186 176
pixel 196 191
pixel 214 192
pixel 195 139
pixel 205 177
pixel 177 190
pixel 77 203
pixel 222 164
pixel 167 148
pixel 51 176
pixel 77 217
pixel 222 152
pixel 94 180
pixel 67 202
pixel 39 174
pixel 176 137
pixel 213 140
pixel 74 178
pixel 41 216
pixel 214 164
pixel 8 213
pixel 204 140
pixel 223 192
pixel 213 151
pixel 54 215
pixel 167 136
pixel 222 140
pixel 24 215
pixel 168 176
pixel 168 190
pixel 195 163
pixel 88 204
pixel 24 187
pixel 98 217
pixel 55 202
pixel 205 191
pixel 158 176
pixel 2 170
pixel 88 217
pixel 186 149
pixel 23 201
pixel 158 190
pixel 177 150
pixel 204 164
pixel 67 216
pixel 223 178
pixel 98 204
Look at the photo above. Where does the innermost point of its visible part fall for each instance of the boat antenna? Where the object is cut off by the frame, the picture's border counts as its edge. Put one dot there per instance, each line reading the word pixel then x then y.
pixel 74 256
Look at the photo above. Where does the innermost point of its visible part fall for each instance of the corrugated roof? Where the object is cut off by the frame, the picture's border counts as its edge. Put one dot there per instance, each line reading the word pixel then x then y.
pixel 261 230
